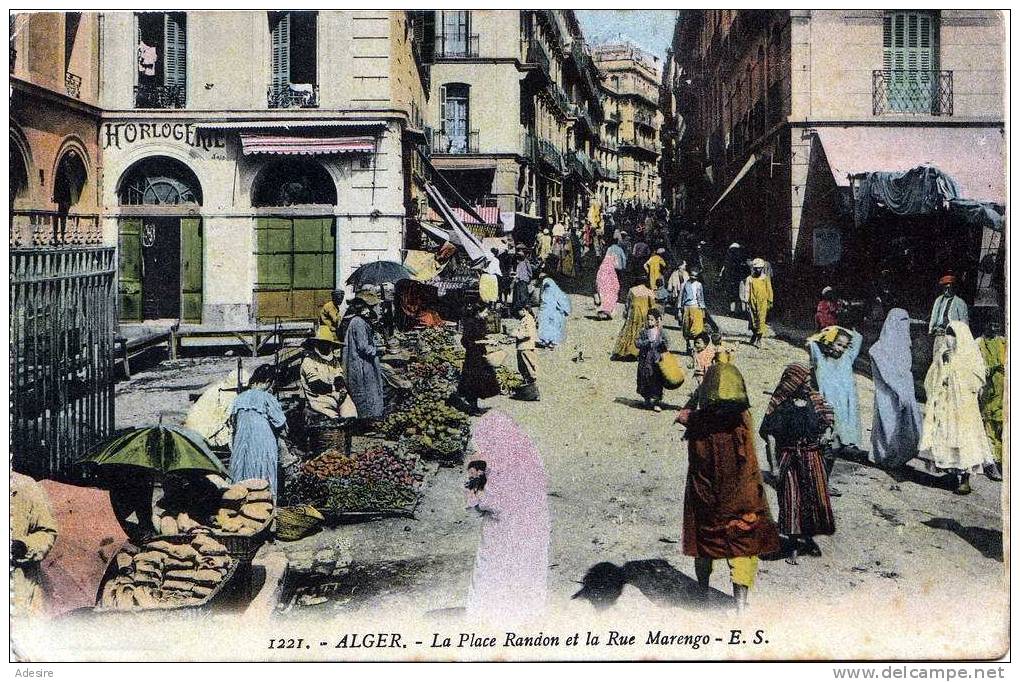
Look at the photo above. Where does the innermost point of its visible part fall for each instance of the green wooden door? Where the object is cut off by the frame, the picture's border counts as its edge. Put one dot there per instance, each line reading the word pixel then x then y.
pixel 129 270
pixel 191 269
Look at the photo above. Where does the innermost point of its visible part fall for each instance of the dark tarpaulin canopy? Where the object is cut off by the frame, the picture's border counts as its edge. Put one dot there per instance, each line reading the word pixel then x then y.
pixel 980 214
pixel 919 191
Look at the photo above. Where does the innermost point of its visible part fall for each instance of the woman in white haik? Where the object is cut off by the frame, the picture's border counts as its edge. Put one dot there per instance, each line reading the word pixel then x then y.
pixel 953 439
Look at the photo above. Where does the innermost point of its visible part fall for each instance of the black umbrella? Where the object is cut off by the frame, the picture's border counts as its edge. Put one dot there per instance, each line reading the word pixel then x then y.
pixel 378 272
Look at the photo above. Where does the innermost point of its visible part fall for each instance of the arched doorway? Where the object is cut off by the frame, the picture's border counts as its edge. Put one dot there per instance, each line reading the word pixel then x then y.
pixel 160 242
pixel 295 245
pixel 69 181
pixel 18 173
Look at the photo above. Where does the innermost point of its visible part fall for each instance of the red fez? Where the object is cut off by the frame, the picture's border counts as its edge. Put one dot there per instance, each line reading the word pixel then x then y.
pixel 947 279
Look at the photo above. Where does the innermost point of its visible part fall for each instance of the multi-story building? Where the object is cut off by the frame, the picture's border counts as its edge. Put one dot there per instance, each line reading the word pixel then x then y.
pixel 62 287
pixel 632 81
pixel 609 148
pixel 514 110
pixel 776 113
pixel 252 160
pixel 54 159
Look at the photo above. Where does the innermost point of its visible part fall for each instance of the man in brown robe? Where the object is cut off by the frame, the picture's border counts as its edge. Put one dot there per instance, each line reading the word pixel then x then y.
pixel 726 515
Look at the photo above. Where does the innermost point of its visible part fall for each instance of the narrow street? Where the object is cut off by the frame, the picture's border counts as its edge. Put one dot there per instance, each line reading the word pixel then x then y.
pixel 616 479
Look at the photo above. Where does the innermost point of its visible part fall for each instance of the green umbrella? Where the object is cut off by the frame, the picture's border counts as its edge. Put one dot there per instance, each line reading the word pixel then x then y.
pixel 161 448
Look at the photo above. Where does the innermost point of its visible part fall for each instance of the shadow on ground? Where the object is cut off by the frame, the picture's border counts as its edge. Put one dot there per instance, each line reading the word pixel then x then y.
pixel 984 540
pixel 640 404
pixel 657 579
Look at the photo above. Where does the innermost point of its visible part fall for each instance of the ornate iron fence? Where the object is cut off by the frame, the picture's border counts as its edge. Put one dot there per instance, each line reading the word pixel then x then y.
pixel 62 324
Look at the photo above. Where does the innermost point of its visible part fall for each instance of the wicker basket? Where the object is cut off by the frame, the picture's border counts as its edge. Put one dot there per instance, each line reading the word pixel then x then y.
pixel 294 523
pixel 222 592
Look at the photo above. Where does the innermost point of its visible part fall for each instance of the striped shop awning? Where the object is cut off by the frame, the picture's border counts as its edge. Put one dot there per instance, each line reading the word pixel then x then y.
pixel 252 143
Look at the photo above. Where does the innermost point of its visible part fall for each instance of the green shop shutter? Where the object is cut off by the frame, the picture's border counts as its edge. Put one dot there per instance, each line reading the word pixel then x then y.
pixel 129 269
pixel 314 265
pixel 274 256
pixel 191 269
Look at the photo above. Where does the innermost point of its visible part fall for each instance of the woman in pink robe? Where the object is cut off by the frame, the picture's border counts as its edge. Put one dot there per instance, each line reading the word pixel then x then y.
pixel 608 285
pixel 509 580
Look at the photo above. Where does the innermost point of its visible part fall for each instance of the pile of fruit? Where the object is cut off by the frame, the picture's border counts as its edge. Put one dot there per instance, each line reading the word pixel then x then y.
pixel 378 478
pixel 509 380
pixel 164 574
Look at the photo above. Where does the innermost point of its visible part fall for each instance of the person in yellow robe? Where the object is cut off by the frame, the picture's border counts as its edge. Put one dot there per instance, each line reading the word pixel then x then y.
pixel 640 300
pixel 654 267
pixel 33 532
pixel 330 315
pixel 758 286
pixel 993 350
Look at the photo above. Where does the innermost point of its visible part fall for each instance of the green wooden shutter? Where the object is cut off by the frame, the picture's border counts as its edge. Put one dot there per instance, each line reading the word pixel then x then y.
pixel 191 269
pixel 129 271
pixel 175 58
pixel 281 51
pixel 314 265
pixel 908 55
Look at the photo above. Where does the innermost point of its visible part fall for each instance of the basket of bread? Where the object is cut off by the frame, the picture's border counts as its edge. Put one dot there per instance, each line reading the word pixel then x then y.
pixel 167 572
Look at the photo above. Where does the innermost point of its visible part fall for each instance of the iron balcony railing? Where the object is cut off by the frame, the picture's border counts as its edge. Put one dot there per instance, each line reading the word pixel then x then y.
pixel 560 97
pixel 52 228
pixel 645 119
pixel 72 85
pixel 457 46
pixel 606 172
pixel 584 164
pixel 641 143
pixel 159 96
pixel 292 96
pixel 443 143
pixel 912 91
pixel 534 53
pixel 548 153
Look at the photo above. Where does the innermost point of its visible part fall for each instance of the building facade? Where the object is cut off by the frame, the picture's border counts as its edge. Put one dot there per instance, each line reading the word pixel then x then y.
pixel 514 111
pixel 632 84
pixel 54 159
pixel 609 147
pixel 62 279
pixel 773 114
pixel 244 184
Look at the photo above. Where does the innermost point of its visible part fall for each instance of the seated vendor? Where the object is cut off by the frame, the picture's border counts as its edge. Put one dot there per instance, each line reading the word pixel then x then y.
pixel 330 316
pixel 322 378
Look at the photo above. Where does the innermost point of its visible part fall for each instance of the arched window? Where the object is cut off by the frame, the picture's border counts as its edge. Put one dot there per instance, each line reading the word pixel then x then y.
pixel 161 181
pixel 294 182
pixel 69 181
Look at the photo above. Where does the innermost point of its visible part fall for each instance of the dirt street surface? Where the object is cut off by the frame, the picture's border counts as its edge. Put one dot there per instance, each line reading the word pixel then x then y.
pixel 616 480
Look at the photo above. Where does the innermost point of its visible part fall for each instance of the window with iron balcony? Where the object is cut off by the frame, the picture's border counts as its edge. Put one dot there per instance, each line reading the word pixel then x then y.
pixel 910 81
pixel 161 74
pixel 293 59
